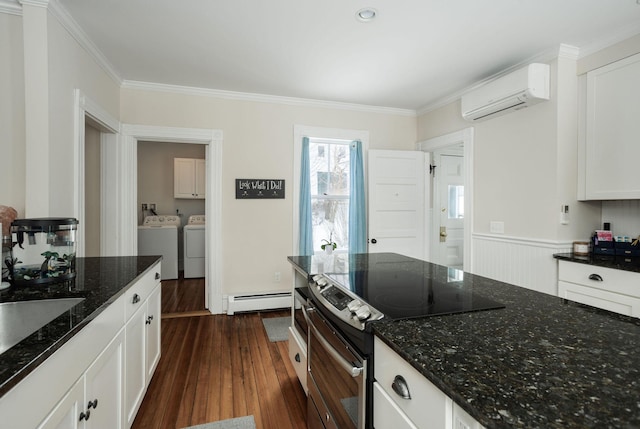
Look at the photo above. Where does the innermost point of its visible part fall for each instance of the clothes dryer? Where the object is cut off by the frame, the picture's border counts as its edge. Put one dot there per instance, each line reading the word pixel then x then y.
pixel 158 235
pixel 194 242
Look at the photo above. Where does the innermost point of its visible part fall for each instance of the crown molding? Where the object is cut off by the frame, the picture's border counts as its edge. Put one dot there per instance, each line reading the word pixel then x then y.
pixel 621 34
pixel 66 20
pixel 263 98
pixel 10 7
pixel 37 3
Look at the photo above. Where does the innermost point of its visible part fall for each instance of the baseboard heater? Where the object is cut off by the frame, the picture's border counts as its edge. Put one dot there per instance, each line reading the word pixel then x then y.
pixel 262 301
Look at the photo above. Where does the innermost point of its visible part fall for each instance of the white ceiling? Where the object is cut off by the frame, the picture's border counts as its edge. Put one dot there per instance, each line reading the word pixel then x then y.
pixel 416 53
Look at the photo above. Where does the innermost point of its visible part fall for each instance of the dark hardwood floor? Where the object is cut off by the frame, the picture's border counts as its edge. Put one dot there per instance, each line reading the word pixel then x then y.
pixel 182 296
pixel 216 367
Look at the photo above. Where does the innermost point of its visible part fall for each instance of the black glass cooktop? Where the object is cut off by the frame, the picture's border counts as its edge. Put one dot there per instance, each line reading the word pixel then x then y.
pixel 413 289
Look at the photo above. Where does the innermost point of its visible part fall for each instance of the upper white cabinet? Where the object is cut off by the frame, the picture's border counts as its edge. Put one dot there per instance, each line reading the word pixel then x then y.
pixel 189 178
pixel 610 132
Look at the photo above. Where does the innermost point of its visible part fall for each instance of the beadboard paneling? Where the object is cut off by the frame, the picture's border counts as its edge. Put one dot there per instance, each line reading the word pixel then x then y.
pixel 519 261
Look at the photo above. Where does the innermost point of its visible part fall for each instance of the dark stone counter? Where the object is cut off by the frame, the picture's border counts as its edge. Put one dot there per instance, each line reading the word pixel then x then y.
pixel 99 280
pixel 540 362
pixel 616 262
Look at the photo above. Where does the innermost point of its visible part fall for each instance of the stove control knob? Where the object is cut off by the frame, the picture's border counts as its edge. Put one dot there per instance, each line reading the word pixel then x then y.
pixel 363 313
pixel 354 305
pixel 316 278
pixel 322 283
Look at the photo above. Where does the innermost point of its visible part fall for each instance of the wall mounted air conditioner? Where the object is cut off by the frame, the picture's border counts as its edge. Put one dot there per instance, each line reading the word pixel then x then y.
pixel 516 90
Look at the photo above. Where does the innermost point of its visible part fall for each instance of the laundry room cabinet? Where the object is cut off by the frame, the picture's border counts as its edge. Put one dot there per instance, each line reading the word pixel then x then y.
pixel 189 178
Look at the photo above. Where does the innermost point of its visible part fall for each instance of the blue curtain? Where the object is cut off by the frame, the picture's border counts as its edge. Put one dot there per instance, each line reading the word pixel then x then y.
pixel 357 208
pixel 306 231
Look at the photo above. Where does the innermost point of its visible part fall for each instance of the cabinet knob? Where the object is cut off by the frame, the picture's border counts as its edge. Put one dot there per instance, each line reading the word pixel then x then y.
pixel 93 404
pixel 401 387
pixel 85 415
pixel 374 241
pixel 149 319
pixel 596 277
pixel 297 357
pixel 157 276
pixel 136 298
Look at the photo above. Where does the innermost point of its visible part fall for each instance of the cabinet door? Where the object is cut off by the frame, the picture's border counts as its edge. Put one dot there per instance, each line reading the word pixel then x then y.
pixel 153 332
pixel 200 178
pixel 66 414
pixel 612 130
pixel 135 363
pixel 386 413
pixel 103 388
pixel 184 178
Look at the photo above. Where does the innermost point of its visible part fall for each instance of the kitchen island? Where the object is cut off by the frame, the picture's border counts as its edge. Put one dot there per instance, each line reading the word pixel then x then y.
pixel 94 349
pixel 540 362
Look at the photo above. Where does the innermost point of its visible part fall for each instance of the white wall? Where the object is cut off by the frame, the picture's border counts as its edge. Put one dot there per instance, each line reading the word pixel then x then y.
pixel 92 191
pixel 258 143
pixel 12 125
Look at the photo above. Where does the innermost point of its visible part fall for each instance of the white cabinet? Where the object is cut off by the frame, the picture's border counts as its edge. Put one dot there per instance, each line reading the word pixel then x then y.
pixel 414 401
pixel 189 178
pixel 610 128
pixel 89 366
pixel 142 344
pixel 606 288
pixel 94 401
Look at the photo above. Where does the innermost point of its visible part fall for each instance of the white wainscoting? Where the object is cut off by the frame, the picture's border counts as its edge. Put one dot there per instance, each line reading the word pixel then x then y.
pixel 520 261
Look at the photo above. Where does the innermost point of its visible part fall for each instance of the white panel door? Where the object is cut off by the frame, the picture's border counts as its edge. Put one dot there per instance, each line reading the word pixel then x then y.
pixel 396 202
pixel 449 204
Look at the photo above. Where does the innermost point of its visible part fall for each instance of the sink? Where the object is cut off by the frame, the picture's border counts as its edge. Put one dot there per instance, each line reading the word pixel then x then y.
pixel 20 319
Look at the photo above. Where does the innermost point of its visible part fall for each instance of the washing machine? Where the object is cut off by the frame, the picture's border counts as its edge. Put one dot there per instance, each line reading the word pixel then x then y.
pixel 194 233
pixel 158 235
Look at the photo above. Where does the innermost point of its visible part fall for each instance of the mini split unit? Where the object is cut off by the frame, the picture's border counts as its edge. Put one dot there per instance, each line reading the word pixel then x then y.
pixel 517 90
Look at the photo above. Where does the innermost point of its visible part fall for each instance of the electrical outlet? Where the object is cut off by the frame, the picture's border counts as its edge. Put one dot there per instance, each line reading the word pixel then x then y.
pixel 145 206
pixel 276 277
pixel 496 227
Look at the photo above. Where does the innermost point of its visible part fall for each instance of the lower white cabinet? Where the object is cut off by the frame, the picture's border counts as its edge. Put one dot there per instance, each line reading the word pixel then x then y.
pixel 606 288
pixel 404 399
pixel 95 400
pixel 123 340
pixel 142 345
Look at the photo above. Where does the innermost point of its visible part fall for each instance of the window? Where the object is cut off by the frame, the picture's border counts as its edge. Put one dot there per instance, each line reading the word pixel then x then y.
pixel 329 202
pixel 329 171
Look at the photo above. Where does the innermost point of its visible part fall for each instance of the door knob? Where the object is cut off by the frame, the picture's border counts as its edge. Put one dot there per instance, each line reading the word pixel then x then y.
pixel 443 234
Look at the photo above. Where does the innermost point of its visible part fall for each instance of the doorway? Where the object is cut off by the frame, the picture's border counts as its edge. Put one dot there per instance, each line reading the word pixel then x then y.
pixel 156 196
pixel 450 217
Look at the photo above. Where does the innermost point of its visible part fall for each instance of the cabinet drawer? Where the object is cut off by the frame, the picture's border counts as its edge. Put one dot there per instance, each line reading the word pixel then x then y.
pixel 427 403
pixel 298 357
pixel 386 413
pixel 599 298
pixel 138 293
pixel 617 281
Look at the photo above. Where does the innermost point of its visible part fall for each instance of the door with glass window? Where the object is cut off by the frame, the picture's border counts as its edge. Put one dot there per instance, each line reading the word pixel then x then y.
pixel 449 204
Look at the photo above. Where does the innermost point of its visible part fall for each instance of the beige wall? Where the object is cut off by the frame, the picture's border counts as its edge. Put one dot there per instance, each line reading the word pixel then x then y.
pixel 12 128
pixel 70 68
pixel 257 235
pixel 525 163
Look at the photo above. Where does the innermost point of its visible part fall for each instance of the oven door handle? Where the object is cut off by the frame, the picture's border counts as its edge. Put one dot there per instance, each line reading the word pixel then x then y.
pixel 354 371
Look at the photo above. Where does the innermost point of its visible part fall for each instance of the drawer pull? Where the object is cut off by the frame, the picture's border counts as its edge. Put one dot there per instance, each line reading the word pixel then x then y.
pixel 157 276
pixel 595 277
pixel 401 387
pixel 136 298
pixel 297 357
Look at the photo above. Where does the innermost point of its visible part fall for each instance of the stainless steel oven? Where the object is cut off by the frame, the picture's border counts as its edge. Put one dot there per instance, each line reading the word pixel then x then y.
pixel 336 378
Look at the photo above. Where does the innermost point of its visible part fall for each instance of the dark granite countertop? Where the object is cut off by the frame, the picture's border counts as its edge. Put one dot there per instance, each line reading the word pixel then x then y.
pixel 540 362
pixel 99 280
pixel 608 261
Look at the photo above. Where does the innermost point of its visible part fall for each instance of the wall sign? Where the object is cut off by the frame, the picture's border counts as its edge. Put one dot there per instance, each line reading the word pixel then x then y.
pixel 259 188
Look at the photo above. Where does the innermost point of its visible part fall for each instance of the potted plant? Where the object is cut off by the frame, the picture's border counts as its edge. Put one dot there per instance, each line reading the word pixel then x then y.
pixel 329 245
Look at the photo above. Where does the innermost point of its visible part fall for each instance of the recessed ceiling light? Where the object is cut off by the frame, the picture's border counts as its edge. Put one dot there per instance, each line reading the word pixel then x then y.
pixel 367 14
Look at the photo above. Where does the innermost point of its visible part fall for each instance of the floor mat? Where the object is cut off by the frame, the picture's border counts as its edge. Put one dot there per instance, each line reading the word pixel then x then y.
pixel 246 422
pixel 277 328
